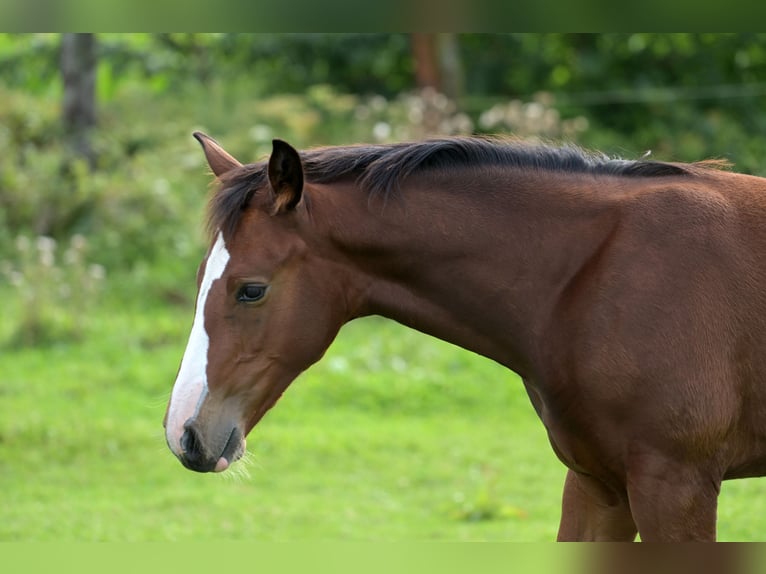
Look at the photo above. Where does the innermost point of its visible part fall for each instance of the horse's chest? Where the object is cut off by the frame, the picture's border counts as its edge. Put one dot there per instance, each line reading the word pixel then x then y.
pixel 575 434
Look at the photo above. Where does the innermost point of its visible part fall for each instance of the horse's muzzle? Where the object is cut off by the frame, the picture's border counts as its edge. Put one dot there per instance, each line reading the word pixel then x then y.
pixel 200 456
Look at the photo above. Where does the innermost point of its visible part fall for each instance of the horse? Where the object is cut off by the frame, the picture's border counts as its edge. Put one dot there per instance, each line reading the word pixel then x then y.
pixel 628 295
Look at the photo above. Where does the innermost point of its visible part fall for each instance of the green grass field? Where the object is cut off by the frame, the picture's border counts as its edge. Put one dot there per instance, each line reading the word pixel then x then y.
pixel 392 436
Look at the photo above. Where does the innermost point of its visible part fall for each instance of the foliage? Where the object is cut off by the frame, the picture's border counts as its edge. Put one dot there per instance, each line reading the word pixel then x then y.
pixel 535 118
pixel 45 192
pixel 272 63
pixel 671 93
pixel 56 290
pixel 30 62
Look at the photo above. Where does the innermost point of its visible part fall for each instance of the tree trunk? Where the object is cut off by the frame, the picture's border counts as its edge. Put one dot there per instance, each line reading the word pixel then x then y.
pixel 424 53
pixel 78 70
pixel 437 63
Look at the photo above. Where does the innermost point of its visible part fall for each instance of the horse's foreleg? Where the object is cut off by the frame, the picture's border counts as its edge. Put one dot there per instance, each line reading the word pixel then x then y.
pixel 672 502
pixel 592 512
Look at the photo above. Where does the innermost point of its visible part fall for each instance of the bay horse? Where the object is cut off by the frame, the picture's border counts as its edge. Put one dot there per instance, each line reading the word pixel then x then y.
pixel 630 297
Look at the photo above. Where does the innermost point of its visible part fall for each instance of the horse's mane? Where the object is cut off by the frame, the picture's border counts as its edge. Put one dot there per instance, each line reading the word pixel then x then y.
pixel 381 169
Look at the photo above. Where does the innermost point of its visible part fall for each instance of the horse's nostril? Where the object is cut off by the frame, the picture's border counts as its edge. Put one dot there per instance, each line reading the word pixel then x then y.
pixel 191 445
pixel 195 454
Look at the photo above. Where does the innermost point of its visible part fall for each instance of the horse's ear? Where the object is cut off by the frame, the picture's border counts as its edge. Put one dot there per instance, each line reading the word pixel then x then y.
pixel 285 176
pixel 218 158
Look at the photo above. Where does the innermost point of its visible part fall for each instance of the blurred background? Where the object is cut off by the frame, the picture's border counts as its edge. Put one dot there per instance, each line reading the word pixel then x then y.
pixel 393 435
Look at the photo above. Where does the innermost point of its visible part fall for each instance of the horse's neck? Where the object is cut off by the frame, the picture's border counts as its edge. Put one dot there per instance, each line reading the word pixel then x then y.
pixel 481 270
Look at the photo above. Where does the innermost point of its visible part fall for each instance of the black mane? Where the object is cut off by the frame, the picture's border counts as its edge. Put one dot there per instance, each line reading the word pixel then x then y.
pixel 381 169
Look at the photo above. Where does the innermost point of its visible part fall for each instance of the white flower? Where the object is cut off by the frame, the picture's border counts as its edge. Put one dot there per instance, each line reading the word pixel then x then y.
pixel 16 279
pixel 378 103
pixel 161 186
pixel 22 243
pixel 78 242
pixel 97 272
pixel 260 133
pixel 381 131
pixel 46 244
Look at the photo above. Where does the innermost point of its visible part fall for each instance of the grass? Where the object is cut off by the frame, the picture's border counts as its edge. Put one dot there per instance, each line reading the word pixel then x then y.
pixel 392 436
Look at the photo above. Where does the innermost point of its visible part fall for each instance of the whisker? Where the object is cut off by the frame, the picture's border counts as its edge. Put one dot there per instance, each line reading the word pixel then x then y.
pixel 158 402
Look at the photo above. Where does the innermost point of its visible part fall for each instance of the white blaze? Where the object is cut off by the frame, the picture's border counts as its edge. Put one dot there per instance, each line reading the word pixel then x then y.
pixel 190 387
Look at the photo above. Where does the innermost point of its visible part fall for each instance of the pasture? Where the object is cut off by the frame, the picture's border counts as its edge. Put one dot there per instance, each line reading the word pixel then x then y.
pixel 393 436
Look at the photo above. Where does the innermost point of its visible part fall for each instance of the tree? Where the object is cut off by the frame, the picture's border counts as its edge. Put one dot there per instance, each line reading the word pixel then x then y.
pixel 437 63
pixel 78 71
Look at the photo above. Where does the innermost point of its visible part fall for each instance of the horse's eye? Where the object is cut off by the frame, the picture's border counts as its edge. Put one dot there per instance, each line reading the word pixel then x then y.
pixel 251 293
